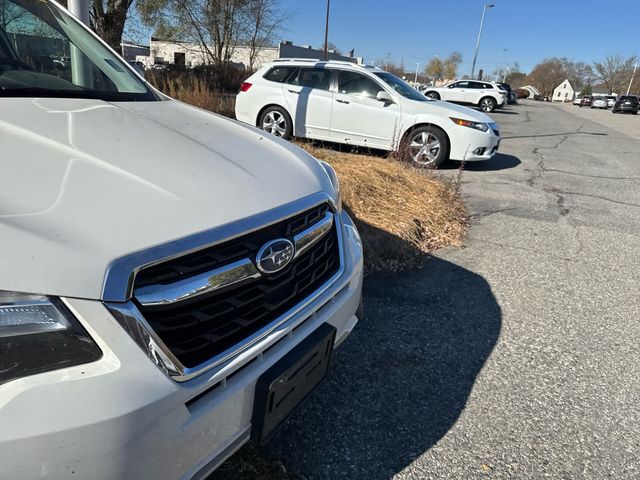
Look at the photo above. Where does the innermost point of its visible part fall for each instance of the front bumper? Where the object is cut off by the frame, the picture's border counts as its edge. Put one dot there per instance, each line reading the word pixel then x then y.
pixel 123 418
pixel 472 145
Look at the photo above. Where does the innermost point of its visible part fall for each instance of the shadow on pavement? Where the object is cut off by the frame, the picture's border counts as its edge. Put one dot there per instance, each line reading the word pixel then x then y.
pixel 500 161
pixel 397 385
pixel 504 112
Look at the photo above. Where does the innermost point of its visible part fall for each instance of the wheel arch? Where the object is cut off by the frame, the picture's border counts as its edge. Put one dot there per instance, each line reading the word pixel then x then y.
pixel 269 105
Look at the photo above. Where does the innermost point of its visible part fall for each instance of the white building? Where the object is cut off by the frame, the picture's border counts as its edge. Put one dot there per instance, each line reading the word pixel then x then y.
pixel 533 91
pixel 563 92
pixel 193 54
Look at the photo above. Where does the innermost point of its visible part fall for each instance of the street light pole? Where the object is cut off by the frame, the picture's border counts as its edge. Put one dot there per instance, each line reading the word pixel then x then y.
pixel 504 50
pixel 417 67
pixel 326 34
pixel 635 67
pixel 475 56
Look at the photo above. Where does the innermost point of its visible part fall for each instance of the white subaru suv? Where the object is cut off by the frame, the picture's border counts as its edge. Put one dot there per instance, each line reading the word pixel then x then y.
pixel 172 282
pixel 487 96
pixel 362 105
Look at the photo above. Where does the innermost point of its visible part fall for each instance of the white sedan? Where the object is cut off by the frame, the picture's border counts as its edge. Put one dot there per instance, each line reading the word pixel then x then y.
pixel 366 106
pixel 599 102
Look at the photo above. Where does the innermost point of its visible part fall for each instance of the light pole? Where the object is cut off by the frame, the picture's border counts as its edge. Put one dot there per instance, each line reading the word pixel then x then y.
pixel 635 67
pixel 475 55
pixel 326 34
pixel 506 72
pixel 504 50
pixel 415 80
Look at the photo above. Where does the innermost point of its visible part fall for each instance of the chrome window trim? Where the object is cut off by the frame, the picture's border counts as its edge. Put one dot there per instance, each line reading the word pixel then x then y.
pixel 130 317
pixel 120 274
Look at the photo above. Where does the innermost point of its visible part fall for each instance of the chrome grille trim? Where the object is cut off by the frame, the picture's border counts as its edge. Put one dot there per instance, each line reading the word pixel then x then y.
pixel 308 238
pixel 120 275
pixel 225 276
pixel 190 288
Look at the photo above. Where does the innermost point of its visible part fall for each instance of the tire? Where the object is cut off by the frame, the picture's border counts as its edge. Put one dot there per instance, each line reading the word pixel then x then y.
pixel 413 148
pixel 433 95
pixel 276 121
pixel 487 104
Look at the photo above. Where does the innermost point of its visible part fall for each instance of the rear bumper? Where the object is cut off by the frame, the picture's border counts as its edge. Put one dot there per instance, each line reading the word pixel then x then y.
pixel 123 418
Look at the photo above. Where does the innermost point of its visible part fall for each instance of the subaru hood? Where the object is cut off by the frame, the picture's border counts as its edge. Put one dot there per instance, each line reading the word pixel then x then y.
pixel 85 182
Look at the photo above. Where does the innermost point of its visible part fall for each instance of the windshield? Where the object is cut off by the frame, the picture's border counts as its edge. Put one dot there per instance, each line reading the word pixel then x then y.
pixel 44 52
pixel 403 88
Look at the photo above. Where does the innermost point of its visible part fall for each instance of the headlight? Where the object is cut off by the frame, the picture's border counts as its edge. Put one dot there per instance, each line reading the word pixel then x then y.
pixel 334 181
pixel 39 334
pixel 483 127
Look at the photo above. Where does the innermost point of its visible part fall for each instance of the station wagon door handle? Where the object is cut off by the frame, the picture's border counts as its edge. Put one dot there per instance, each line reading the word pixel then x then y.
pixel 297 92
pixel 342 101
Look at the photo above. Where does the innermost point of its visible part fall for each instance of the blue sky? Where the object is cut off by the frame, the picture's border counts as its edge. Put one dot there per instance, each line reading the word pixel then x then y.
pixel 417 30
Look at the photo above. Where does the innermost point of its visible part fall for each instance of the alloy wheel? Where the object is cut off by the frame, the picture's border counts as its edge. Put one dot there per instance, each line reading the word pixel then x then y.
pixel 424 148
pixel 275 123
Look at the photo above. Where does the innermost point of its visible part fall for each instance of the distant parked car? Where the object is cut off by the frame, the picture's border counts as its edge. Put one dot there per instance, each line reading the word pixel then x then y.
pixel 486 95
pixel 586 101
pixel 611 100
pixel 626 103
pixel 511 95
pixel 577 100
pixel 599 102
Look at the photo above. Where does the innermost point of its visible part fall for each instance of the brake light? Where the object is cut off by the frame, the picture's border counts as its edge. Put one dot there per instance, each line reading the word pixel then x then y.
pixel 245 86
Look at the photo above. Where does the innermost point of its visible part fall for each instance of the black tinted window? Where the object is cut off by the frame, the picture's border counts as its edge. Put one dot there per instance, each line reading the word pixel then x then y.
pixel 280 74
pixel 460 85
pixel 353 83
pixel 319 78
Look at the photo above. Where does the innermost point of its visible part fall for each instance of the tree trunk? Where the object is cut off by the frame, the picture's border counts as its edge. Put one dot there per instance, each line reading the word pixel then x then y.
pixel 109 23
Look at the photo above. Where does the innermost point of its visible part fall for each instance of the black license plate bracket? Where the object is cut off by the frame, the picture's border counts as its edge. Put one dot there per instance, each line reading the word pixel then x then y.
pixel 286 384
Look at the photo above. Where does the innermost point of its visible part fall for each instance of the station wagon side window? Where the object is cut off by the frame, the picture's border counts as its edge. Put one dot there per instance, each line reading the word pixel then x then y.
pixel 281 74
pixel 310 77
pixel 353 83
pixel 460 85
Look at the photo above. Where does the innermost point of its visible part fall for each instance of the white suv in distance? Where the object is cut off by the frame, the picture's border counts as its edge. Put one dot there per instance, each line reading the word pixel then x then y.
pixel 362 105
pixel 487 96
pixel 162 291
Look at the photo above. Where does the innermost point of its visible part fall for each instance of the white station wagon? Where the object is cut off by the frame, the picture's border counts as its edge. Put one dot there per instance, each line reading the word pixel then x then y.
pixel 362 105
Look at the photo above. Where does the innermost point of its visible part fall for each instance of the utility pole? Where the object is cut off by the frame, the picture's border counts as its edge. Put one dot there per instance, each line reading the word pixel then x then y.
pixel 635 67
pixel 80 8
pixel 417 67
pixel 326 34
pixel 475 56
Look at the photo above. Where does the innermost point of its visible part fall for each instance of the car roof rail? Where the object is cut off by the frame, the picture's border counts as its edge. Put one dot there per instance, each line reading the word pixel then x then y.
pixel 314 60
pixel 317 60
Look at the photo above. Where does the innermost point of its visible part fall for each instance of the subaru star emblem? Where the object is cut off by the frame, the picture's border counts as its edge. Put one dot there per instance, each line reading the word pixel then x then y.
pixel 275 255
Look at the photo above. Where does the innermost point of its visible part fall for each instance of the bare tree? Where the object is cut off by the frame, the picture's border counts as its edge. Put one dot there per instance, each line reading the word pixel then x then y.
pixel 264 21
pixel 613 71
pixel 108 18
pixel 216 26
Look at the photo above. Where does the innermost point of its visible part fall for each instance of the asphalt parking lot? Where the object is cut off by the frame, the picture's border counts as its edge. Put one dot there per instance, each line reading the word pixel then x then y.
pixel 516 356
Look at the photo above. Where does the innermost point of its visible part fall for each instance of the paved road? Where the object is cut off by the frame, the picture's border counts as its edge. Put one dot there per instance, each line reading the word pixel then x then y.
pixel 515 357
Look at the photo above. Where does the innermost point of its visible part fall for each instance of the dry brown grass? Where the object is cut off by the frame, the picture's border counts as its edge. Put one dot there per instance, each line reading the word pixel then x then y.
pixel 402 212
pixel 196 92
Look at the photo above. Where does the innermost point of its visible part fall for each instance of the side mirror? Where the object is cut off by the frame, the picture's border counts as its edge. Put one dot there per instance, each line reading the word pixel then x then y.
pixel 383 96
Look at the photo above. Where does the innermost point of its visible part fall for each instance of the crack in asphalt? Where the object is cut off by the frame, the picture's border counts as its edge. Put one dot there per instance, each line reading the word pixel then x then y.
pixel 556 191
pixel 488 213
pixel 603 177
